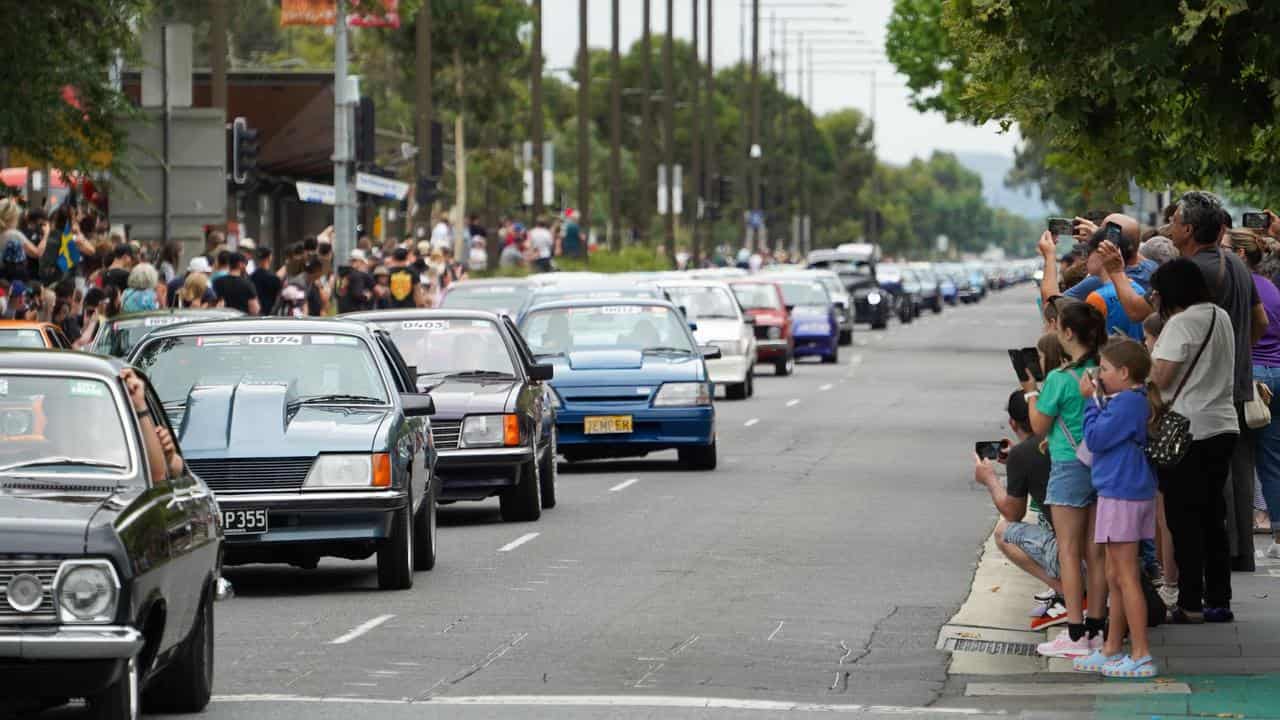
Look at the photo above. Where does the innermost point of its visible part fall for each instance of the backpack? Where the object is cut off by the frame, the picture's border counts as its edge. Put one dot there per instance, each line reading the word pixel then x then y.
pixel 13 262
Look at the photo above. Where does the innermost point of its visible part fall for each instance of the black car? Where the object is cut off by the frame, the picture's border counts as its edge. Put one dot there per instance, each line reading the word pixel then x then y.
pixel 870 303
pixel 311 432
pixel 494 425
pixel 109 547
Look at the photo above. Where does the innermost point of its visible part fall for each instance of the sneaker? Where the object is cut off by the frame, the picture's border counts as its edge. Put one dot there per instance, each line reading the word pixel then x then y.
pixel 1169 594
pixel 1063 646
pixel 1045 595
pixel 1094 662
pixel 1179 616
pixel 1055 614
pixel 1218 615
pixel 1127 667
pixel 1273 552
pixel 1096 642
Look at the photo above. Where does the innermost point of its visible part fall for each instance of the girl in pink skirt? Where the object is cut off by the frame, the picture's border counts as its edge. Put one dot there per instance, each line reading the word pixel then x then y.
pixel 1115 430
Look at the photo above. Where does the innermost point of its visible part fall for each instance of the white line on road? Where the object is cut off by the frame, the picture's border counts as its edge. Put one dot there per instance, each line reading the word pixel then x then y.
pixel 631 701
pixel 360 629
pixel 825 388
pixel 776 630
pixel 517 542
pixel 624 484
pixel 792 403
pixel 751 422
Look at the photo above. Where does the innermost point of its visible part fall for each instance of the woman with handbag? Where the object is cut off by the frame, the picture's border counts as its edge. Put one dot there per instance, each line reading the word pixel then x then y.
pixel 1266 378
pixel 1194 367
pixel 1057 411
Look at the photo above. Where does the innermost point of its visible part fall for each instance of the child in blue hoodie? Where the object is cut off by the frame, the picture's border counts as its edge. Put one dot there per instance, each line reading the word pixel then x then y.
pixel 1115 430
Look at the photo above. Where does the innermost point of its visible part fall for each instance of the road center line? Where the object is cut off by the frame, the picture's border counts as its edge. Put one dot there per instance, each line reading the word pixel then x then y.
pixel 518 542
pixel 826 387
pixel 751 422
pixel 792 403
pixel 624 484
pixel 360 629
pixel 776 630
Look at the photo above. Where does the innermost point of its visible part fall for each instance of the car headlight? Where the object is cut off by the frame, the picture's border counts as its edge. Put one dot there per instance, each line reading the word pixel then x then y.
pixel 774 332
pixel 874 298
pixel 490 431
pixel 682 394
pixel 731 347
pixel 555 399
pixel 87 591
pixel 349 472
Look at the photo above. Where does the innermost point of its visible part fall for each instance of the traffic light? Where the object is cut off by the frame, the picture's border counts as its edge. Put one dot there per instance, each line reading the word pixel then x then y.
pixel 366 124
pixel 244 150
pixel 427 191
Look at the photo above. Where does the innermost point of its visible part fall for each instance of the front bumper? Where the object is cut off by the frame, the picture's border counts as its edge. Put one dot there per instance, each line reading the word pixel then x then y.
pixel 866 312
pixel 815 344
pixel 477 473
pixel 102 642
pixel 653 429
pixel 729 369
pixel 769 350
pixel 319 518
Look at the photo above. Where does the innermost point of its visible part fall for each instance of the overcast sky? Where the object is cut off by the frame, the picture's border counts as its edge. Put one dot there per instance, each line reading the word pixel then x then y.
pixel 902 131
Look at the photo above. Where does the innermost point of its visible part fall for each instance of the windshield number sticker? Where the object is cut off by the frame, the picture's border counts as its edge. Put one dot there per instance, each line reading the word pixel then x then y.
pixel 158 321
pixel 425 325
pixel 87 388
pixel 218 341
pixel 621 310
pixel 4 387
pixel 275 339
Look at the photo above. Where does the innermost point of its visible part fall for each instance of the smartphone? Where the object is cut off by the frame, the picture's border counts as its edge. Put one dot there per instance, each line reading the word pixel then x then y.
pixel 1019 365
pixel 1257 220
pixel 987 449
pixel 1031 361
pixel 1113 233
pixel 1060 226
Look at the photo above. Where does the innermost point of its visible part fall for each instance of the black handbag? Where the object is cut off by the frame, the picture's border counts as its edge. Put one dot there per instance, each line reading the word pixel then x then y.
pixel 1168 443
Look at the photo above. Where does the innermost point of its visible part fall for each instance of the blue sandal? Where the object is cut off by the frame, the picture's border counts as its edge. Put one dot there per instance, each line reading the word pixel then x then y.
pixel 1127 667
pixel 1093 663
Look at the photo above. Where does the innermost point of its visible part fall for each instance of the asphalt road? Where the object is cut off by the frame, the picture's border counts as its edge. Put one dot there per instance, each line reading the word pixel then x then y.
pixel 811 571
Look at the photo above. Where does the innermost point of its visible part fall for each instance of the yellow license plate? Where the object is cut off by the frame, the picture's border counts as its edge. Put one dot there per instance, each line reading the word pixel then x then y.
pixel 606 424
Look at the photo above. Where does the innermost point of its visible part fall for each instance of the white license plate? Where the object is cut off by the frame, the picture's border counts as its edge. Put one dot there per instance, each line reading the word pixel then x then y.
pixel 244 522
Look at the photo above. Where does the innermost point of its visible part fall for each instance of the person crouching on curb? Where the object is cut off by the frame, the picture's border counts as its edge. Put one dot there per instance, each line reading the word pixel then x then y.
pixel 1115 430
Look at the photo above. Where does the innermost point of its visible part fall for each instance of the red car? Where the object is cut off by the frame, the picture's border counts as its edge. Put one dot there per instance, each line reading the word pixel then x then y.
pixel 762 302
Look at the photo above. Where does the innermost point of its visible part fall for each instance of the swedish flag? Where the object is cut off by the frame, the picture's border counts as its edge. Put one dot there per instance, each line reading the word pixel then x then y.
pixel 68 251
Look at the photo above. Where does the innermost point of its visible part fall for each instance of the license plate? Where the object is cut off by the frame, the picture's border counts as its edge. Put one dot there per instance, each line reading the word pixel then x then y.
pixel 244 522
pixel 606 424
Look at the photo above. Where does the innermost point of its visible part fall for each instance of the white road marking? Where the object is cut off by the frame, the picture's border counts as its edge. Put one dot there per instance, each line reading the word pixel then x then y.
pixel 853 364
pixel 792 403
pixel 826 387
pixel 360 629
pixel 751 422
pixel 518 542
pixel 624 484
pixel 624 701
pixel 776 630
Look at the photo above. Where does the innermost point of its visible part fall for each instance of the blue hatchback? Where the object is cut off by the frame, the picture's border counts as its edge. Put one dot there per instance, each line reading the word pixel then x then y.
pixel 629 379
pixel 813 319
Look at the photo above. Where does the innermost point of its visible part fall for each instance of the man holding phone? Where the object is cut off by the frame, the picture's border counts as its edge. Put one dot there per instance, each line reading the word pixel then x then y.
pixel 1029 545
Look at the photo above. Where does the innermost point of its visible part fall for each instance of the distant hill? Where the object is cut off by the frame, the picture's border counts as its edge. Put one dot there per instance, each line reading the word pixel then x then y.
pixel 993 167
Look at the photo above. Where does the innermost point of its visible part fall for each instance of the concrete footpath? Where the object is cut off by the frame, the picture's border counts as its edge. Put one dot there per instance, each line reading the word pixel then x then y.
pixel 1227 670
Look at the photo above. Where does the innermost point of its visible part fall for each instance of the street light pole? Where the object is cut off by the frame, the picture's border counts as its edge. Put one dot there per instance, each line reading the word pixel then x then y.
pixel 584 152
pixel 343 225
pixel 615 139
pixel 535 91
pixel 669 126
pixel 755 116
pixel 695 139
pixel 708 133
pixel 422 120
pixel 646 129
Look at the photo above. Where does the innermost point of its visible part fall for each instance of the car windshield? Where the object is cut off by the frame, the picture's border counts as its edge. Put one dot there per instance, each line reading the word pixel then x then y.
pixel 501 299
pixel 315 365
pixel 55 423
pixel 444 346
pixel 757 296
pixel 606 327
pixel 119 337
pixel 704 302
pixel 586 293
pixel 833 285
pixel 889 273
pixel 24 338
pixel 804 293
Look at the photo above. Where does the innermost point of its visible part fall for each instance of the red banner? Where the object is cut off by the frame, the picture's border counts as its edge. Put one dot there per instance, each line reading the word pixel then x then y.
pixel 361 13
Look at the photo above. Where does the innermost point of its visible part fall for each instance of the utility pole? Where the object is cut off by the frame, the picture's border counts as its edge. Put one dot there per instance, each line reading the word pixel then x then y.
pixel 646 130
pixel 669 132
pixel 695 140
pixel 708 133
pixel 615 139
pixel 754 149
pixel 218 54
pixel 343 211
pixel 808 196
pixel 584 109
pixel 424 111
pixel 535 90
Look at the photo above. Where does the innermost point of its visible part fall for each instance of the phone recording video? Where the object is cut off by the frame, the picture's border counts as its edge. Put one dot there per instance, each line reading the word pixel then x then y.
pixel 988 449
pixel 1026 364
pixel 1113 234
pixel 1060 226
pixel 1257 220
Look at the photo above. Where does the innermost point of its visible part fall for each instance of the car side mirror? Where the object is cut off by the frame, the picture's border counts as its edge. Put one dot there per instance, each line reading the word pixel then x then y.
pixel 748 320
pixel 693 327
pixel 791 308
pixel 541 372
pixel 417 404
pixel 711 352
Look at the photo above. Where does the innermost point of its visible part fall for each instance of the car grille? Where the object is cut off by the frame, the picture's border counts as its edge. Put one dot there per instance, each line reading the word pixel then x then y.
pixel 445 434
pixel 253 474
pixel 46 571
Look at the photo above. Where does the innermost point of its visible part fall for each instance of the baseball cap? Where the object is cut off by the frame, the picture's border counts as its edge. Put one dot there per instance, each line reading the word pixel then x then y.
pixel 248 244
pixel 381 270
pixel 358 254
pixel 199 264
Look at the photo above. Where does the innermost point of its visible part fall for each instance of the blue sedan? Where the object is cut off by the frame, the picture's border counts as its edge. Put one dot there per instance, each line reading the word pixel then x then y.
pixel 629 379
pixel 813 319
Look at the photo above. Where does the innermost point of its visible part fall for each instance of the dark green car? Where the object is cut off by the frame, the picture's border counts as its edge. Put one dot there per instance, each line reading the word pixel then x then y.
pixel 118 336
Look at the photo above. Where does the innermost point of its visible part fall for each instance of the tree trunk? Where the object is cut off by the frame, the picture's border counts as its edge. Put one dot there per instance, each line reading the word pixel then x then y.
pixel 459 158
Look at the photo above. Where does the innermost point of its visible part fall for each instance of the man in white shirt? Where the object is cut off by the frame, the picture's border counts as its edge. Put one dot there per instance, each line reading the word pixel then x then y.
pixel 543 243
pixel 442 233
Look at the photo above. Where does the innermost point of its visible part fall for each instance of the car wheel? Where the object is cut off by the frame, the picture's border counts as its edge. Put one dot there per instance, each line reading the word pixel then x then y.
pixel 395 559
pixel 547 475
pixel 785 367
pixel 846 337
pixel 699 457
pixel 522 503
pixel 187 684
pixel 881 323
pixel 832 357
pixel 424 531
pixel 121 701
pixel 735 391
pixel 937 305
pixel 751 383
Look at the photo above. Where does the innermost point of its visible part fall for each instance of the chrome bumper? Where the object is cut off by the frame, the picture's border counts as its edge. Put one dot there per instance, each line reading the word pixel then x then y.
pixel 730 369
pixel 70 643
pixel 473 457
